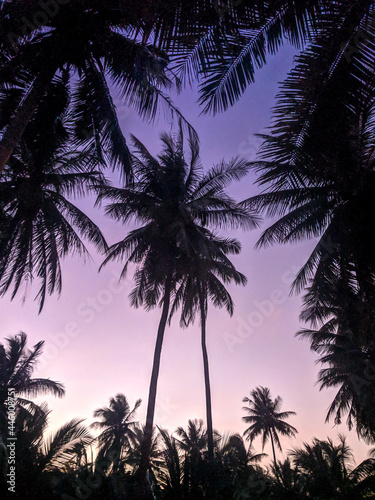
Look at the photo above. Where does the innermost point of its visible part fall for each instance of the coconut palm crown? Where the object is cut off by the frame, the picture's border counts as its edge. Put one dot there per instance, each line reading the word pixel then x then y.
pixel 39 222
pixel 266 419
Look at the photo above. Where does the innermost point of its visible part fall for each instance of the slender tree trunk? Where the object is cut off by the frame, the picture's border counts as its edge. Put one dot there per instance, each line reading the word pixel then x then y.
pixel 274 457
pixel 22 116
pixel 210 437
pixel 147 438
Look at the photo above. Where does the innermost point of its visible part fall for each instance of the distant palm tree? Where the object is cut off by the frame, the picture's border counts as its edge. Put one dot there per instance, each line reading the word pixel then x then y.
pixel 194 438
pixel 232 447
pixel 17 364
pixel 155 462
pixel 205 279
pixel 289 482
pixel 237 466
pixel 176 203
pixel 118 428
pixel 193 442
pixel 171 476
pixel 266 419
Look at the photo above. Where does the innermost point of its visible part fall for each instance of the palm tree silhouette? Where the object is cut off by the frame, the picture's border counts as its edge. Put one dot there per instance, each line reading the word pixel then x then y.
pixel 204 280
pixel 39 224
pixel 345 344
pixel 193 442
pixel 328 470
pixel 288 482
pixel 193 439
pixel 175 202
pixel 317 172
pixel 316 168
pixel 232 446
pixel 44 457
pixel 336 38
pixel 17 364
pixel 171 475
pixel 155 462
pixel 223 45
pixel 118 428
pixel 266 419
pixel 237 466
pixel 93 45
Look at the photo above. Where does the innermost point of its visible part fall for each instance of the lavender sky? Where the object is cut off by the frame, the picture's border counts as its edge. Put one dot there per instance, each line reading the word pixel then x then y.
pixel 98 346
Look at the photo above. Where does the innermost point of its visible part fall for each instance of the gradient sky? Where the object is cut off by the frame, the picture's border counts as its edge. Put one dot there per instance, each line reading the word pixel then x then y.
pixel 98 346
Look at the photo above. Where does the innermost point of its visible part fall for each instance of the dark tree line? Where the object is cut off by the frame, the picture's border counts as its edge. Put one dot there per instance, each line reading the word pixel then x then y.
pixel 72 463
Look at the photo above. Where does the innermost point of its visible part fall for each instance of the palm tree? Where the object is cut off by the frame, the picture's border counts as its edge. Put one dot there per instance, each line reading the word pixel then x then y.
pixel 266 419
pixel 232 446
pixel 118 428
pixel 193 442
pixel 222 44
pixel 175 202
pixel 329 471
pixel 345 344
pixel 96 46
pixel 317 171
pixel 289 482
pixel 155 461
pixel 205 279
pixel 17 364
pixel 43 458
pixel 171 475
pixel 237 467
pixel 332 37
pixel 319 179
pixel 38 222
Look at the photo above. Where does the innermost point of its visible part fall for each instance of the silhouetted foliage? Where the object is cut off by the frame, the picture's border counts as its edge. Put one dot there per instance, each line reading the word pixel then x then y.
pixel 177 204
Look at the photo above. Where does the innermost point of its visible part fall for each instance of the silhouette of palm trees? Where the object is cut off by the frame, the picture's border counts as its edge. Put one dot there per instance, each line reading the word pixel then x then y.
pixel 192 441
pixel 175 202
pixel 346 348
pixel 328 470
pixel 41 458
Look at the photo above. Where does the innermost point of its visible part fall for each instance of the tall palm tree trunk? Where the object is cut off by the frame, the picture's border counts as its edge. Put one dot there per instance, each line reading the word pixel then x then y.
pixel 210 439
pixel 23 114
pixel 147 439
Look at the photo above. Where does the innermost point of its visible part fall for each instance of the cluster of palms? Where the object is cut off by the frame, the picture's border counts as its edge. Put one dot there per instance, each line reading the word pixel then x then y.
pixel 60 131
pixel 179 261
pixel 71 463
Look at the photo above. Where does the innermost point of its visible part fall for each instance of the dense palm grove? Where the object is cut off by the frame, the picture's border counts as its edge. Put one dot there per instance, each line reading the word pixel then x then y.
pixel 70 463
pixel 62 63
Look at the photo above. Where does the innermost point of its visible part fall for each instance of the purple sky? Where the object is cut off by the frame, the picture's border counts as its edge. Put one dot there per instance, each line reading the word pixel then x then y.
pixel 97 345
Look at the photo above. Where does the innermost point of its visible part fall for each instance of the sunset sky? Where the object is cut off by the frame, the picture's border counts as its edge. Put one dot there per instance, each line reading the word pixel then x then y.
pixel 98 346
